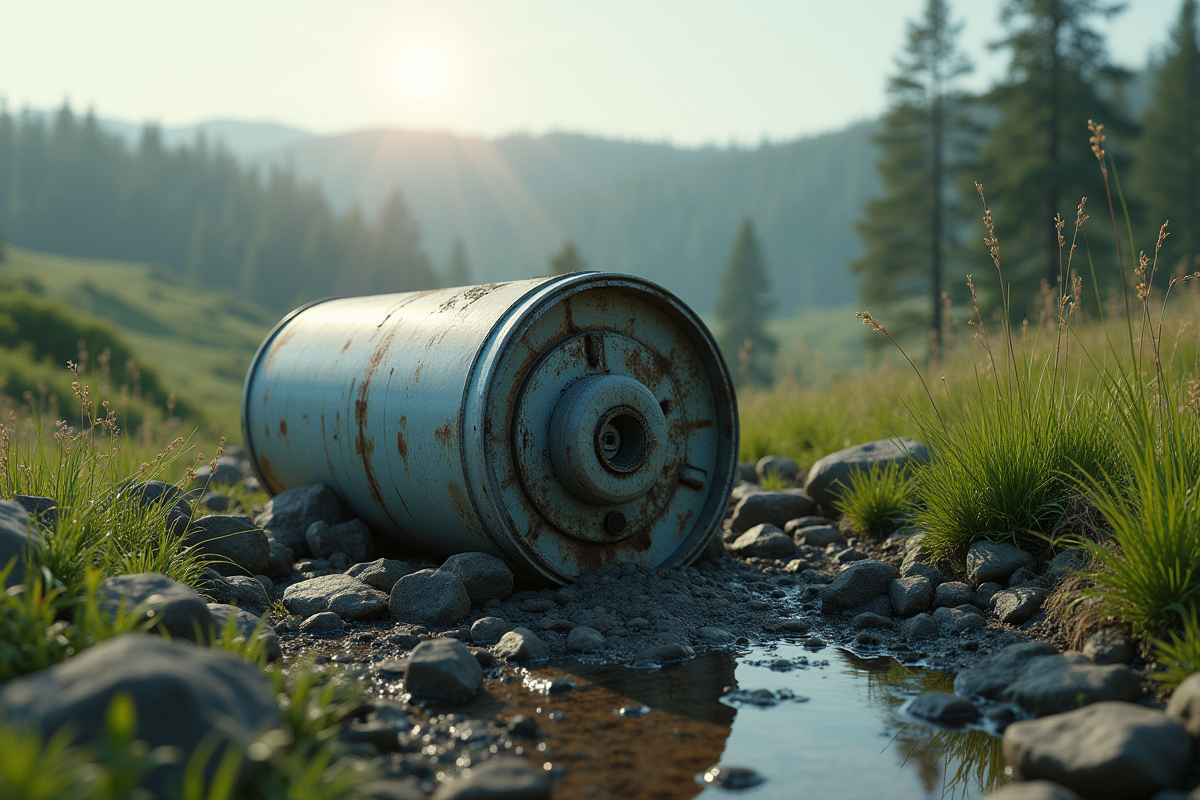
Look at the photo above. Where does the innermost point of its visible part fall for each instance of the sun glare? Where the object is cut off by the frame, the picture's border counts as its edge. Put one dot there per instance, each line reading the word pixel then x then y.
pixel 421 71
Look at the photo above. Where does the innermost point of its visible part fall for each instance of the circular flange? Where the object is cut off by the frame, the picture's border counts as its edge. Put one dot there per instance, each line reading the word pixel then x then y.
pixel 576 439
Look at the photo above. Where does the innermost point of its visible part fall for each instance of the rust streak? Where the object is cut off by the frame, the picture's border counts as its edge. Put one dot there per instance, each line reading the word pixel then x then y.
pixel 444 434
pixel 458 500
pixel 264 468
pixel 283 427
pixel 279 342
pixel 401 442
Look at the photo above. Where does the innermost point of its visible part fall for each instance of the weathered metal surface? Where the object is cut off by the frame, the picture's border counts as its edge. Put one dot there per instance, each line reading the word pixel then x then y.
pixel 561 423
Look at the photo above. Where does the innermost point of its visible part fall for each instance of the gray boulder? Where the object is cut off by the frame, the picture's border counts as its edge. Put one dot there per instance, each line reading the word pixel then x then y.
pixel 1064 563
pixel 918 627
pixel 952 594
pixel 819 536
pixel 227 473
pixel 929 572
pixel 943 708
pixel 504 778
pixel 763 541
pixel 1184 705
pixel 176 609
pixel 161 495
pixel 1023 577
pixel 1033 790
pixel 484 576
pixel 1014 606
pixel 1109 646
pixel 1053 684
pixel 995 562
pixel 352 538
pixel 430 597
pixel 217 502
pixel 324 622
pixel 183 693
pixel 836 468
pixel 1120 751
pixel 382 573
pixel 349 598
pixel 783 468
pixel 246 624
pixel 44 510
pixel 960 618
pixel 985 592
pixel 289 514
pixel 488 630
pixel 238 546
pixel 910 596
pixel 775 508
pixel 857 585
pixel 521 644
pixel 992 674
pixel 583 639
pixel 443 669
pixel 247 592
pixel 811 521
pixel 280 560
pixel 15 542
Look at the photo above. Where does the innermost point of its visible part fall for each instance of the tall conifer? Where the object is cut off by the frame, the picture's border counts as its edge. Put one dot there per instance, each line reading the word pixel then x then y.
pixel 905 232
pixel 742 309
pixel 1168 154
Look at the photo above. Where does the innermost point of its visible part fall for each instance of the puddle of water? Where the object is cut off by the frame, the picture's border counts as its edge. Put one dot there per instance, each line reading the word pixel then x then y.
pixel 832 726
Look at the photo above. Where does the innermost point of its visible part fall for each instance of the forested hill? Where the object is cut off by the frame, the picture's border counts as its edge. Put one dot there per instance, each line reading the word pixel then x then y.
pixel 664 212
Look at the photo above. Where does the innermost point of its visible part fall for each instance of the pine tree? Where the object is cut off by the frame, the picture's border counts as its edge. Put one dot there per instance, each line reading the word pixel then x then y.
pixel 1168 154
pixel 905 232
pixel 458 270
pixel 567 260
pixel 1036 162
pixel 742 309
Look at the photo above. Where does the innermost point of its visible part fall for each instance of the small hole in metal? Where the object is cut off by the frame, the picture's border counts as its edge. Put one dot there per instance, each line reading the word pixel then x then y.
pixel 666 405
pixel 622 439
pixel 615 522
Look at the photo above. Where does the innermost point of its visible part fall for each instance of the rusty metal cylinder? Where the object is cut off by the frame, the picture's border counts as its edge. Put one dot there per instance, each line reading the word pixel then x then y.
pixel 559 423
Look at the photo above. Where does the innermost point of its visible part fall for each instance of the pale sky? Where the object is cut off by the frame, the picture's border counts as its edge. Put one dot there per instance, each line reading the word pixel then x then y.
pixel 688 71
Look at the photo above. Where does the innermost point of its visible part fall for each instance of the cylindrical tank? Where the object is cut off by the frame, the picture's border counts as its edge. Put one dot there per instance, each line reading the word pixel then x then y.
pixel 559 423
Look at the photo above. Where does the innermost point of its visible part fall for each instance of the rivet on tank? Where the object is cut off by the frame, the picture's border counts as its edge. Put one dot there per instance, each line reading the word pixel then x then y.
pixel 559 423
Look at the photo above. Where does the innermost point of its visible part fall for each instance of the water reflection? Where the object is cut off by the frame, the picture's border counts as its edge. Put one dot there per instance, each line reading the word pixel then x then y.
pixel 849 739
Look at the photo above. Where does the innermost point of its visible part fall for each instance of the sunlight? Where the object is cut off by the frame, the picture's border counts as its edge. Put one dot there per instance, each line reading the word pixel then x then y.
pixel 421 71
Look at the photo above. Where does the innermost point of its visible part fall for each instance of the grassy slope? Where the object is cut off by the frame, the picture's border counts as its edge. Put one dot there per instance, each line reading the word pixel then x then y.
pixel 200 341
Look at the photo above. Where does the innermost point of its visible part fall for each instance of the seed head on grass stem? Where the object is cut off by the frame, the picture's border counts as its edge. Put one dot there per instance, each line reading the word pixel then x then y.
pixel 867 319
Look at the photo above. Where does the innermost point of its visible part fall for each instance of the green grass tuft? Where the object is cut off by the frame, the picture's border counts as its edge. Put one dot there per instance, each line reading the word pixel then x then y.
pixel 879 499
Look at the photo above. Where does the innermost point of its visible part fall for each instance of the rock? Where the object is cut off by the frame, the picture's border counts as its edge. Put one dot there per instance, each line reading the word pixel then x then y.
pixel 796 566
pixel 746 472
pixel 504 778
pixel 775 508
pixel 521 644
pixel 324 622
pixel 352 538
pixel 1109 646
pixel 484 576
pixel 1023 577
pixel 180 611
pixel 918 627
pixel 246 624
pixel 810 521
pixel 15 542
pixel 819 536
pixel 217 502
pixel 349 598
pixel 763 541
pixel 959 619
pixel 1014 606
pixel 382 573
pixel 583 639
pixel 930 573
pixel 943 708
pixel 160 494
pixel 664 653
pixel 430 597
pixel 952 594
pixel 992 674
pixel 784 469
pixel 488 630
pixel 1053 684
pixel 1065 563
pixel 267 584
pixel 985 593
pixel 868 637
pixel 1106 750
pixel 1033 790
pixel 443 669
pixel 1184 705
pixel 183 694
pixel 227 473
pixel 836 468
pixel 289 514
pixel 880 605
pixel 995 562
pixel 858 584
pixel 247 592
pixel 869 620
pixel 850 555
pixel 279 560
pixel 910 596
pixel 794 625
pixel 232 539
pixel 709 634
pixel 44 511
pixel 391 788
